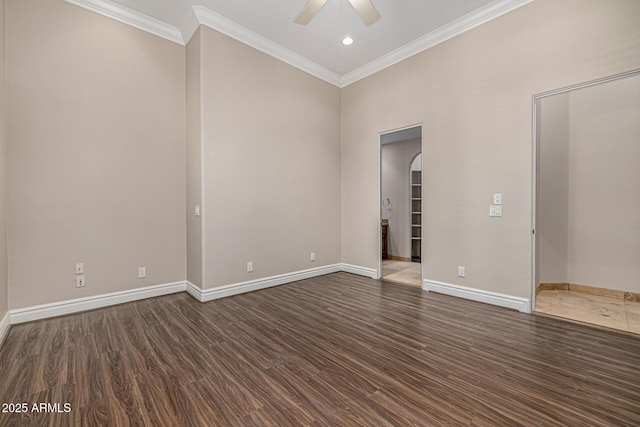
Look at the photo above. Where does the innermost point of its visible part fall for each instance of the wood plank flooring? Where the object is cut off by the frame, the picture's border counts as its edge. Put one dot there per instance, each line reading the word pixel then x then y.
pixel 333 350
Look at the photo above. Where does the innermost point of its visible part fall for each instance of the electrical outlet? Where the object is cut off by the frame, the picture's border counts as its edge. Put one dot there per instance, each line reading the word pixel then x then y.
pixel 461 271
pixel 249 267
pixel 312 257
pixel 142 272
pixel 79 281
pixel 80 268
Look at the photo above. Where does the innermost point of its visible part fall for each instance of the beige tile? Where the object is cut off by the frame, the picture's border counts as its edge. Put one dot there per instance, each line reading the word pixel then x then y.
pixel 554 286
pixel 598 310
pixel 403 277
pixel 389 266
pixel 632 309
pixel 401 271
pixel 611 293
pixel 632 296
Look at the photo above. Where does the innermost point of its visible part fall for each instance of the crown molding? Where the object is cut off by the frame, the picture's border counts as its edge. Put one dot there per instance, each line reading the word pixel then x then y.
pixel 228 27
pixel 485 14
pixel 202 15
pixel 131 17
pixel 190 27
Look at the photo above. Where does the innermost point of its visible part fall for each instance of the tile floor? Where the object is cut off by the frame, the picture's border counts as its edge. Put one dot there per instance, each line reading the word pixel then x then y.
pixel 604 311
pixel 409 273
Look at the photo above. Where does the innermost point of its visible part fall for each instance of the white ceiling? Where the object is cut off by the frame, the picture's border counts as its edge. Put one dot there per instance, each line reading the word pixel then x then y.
pixel 405 28
pixel 406 134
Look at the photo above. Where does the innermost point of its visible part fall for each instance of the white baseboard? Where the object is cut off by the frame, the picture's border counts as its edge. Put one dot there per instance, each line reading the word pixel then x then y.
pixel 205 295
pixel 61 308
pixel 5 325
pixel 360 271
pixel 44 311
pixel 502 300
pixel 194 290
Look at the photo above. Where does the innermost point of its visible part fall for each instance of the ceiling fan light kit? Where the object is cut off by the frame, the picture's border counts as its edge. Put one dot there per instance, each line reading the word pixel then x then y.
pixel 364 8
pixel 347 41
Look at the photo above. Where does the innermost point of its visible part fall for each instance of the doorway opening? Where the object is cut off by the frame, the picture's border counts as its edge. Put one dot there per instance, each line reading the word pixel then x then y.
pixel 586 234
pixel 401 206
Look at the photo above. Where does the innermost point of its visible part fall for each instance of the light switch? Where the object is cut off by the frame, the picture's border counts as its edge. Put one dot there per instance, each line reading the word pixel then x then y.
pixel 495 210
pixel 497 199
pixel 197 210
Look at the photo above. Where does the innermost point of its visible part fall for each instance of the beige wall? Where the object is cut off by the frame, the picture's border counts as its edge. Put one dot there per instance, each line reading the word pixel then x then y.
pixel 271 164
pixel 604 199
pixel 194 160
pixel 473 95
pixel 553 190
pixel 3 172
pixel 96 113
pixel 395 162
pixel 281 162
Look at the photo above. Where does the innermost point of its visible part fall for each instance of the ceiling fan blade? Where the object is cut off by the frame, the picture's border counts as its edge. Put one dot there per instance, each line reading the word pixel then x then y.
pixel 309 11
pixel 366 11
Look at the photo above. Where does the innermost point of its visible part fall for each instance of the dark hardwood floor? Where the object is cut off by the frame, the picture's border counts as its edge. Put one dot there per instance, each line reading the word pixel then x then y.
pixel 333 350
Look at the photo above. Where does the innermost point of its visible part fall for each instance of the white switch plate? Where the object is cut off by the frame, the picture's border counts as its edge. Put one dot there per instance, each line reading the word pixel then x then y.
pixel 495 210
pixel 312 257
pixel 79 281
pixel 497 199
pixel 142 272
pixel 80 268
pixel 197 210
pixel 249 267
pixel 461 271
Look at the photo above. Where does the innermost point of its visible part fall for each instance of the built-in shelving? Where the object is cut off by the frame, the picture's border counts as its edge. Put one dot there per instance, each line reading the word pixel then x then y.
pixel 416 216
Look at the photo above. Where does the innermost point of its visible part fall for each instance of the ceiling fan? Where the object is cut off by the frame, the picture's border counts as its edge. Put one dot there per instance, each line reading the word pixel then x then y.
pixel 364 8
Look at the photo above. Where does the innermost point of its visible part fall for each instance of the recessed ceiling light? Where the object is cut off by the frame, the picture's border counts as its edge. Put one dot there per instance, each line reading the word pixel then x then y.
pixel 347 41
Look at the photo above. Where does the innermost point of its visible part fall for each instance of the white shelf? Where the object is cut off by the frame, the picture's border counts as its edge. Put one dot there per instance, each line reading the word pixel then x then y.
pixel 416 222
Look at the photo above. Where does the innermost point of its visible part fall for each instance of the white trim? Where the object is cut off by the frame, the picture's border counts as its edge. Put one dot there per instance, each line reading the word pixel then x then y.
pixel 131 17
pixel 379 236
pixel 534 166
pixel 632 73
pixel 194 290
pixel 190 27
pixel 478 17
pixel 5 325
pixel 61 308
pixel 360 271
pixel 204 16
pixel 44 311
pixel 228 27
pixel 502 300
pixel 205 295
pixel 534 203
pixel 380 144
